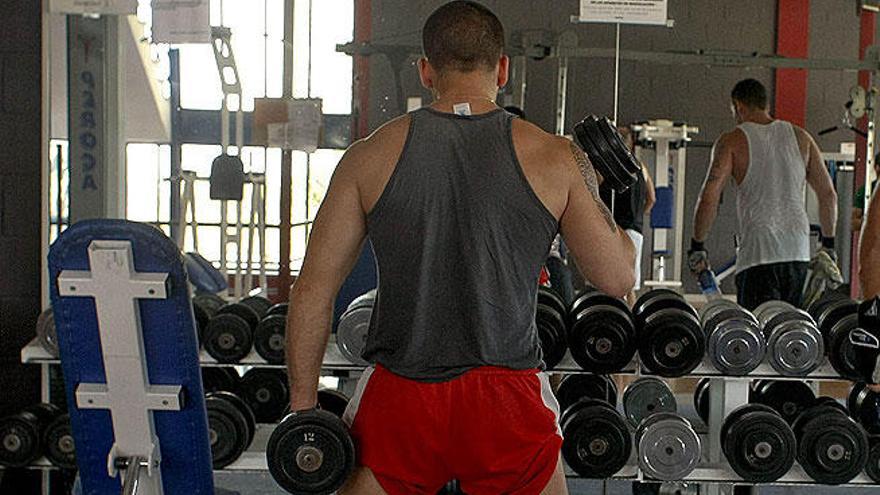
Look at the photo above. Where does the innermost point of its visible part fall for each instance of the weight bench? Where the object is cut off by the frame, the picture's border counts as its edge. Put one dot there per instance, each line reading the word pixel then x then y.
pixel 130 359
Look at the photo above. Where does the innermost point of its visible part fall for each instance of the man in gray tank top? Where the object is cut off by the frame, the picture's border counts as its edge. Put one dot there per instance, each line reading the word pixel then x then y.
pixel 460 201
pixel 771 162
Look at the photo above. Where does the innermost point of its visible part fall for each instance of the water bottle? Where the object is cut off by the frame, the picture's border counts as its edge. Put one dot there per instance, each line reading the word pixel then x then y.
pixel 709 284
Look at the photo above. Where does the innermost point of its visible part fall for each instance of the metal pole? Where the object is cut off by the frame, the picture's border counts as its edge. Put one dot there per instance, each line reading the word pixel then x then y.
pixel 616 73
pixel 284 278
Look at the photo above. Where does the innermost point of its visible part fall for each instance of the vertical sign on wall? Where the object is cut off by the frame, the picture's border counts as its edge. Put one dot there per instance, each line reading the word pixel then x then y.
pixel 85 59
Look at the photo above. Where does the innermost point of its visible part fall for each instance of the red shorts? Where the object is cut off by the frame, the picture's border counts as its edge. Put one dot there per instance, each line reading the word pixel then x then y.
pixel 493 429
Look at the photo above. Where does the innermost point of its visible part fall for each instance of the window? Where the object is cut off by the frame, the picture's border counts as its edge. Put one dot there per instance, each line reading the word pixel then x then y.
pixel 257 41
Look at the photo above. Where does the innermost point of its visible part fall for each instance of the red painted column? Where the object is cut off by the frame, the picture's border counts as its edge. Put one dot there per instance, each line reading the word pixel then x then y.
pixel 792 40
pixel 363 32
pixel 866 39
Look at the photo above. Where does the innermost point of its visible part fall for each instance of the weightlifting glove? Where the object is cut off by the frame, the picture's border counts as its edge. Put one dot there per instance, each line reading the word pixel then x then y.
pixel 698 257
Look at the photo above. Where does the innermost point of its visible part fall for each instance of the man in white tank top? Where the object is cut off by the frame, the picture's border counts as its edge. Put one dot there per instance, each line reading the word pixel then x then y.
pixel 771 162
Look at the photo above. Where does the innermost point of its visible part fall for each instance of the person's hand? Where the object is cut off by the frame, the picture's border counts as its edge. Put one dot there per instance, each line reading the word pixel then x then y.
pixel 874 388
pixel 698 257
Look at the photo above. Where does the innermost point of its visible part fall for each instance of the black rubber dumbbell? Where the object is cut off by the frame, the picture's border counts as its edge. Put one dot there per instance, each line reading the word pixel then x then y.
pixel 259 304
pixel 599 138
pixel 278 309
pixel 872 468
pixel 311 452
pixel 734 341
pixel 758 443
pixel 47 336
pixel 863 405
pixel 220 378
pixel 231 427
pixel 837 316
pixel 574 387
pixel 21 434
pixel 701 399
pixel 353 327
pixel 550 321
pixel 832 447
pixel 58 443
pixel 788 398
pixel 646 396
pixel 269 338
pixel 597 441
pixel 230 333
pixel 671 340
pixel 668 447
pixel 332 401
pixel 795 346
pixel 601 333
pixel 265 391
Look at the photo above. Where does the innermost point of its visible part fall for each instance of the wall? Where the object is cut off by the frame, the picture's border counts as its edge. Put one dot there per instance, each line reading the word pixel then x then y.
pixel 696 95
pixel 20 166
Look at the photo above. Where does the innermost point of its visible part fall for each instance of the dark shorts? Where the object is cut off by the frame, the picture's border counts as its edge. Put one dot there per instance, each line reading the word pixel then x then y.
pixel 493 429
pixel 772 282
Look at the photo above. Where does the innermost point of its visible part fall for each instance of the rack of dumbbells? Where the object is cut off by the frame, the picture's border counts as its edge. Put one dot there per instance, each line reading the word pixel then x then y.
pixel 760 422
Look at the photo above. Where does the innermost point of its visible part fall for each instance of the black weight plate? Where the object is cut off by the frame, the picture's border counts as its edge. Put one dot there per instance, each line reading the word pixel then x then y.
pixel 621 151
pixel 592 297
pixel 332 401
pixel 58 444
pixel 833 448
pixel 317 441
pixel 45 413
pixel 269 338
pixel 20 441
pixel 841 351
pixel 741 411
pixel 243 311
pixel 597 441
pixel 758 444
pixel 815 309
pixel 278 309
pixel 259 304
pixel 202 318
pixel 872 468
pixel 265 391
pixel 551 333
pixel 820 408
pixel 227 430
pixel 575 387
pixel 599 153
pixel 663 302
pixel 864 407
pixel 671 343
pixel 217 378
pixel 788 398
pixel 643 300
pixel 833 312
pixel 701 399
pixel 47 335
pixel 228 338
pixel 549 297
pixel 211 303
pixel 243 408
pixel 784 317
pixel 602 339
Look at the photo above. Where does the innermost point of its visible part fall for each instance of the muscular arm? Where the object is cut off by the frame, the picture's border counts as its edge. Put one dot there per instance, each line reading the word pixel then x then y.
pixel 869 251
pixel 651 194
pixel 337 236
pixel 720 170
pixel 603 251
pixel 819 179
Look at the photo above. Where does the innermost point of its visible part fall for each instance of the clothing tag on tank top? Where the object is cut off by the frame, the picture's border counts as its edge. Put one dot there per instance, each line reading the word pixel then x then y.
pixel 462 108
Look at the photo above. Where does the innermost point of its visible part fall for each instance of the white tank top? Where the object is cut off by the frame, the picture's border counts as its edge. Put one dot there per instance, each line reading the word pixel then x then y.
pixel 770 202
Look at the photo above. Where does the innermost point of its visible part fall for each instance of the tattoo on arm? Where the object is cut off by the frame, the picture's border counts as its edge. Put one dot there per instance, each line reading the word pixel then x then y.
pixel 589 175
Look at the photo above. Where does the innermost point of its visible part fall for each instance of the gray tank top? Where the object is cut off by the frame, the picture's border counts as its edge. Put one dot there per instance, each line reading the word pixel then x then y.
pixel 459 237
pixel 770 202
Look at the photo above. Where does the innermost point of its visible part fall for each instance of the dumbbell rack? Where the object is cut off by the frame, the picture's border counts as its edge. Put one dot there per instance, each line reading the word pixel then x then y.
pixel 712 471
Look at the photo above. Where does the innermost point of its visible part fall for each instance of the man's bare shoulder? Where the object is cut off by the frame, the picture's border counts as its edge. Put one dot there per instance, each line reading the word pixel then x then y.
pixel 532 142
pixel 387 139
pixel 735 139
